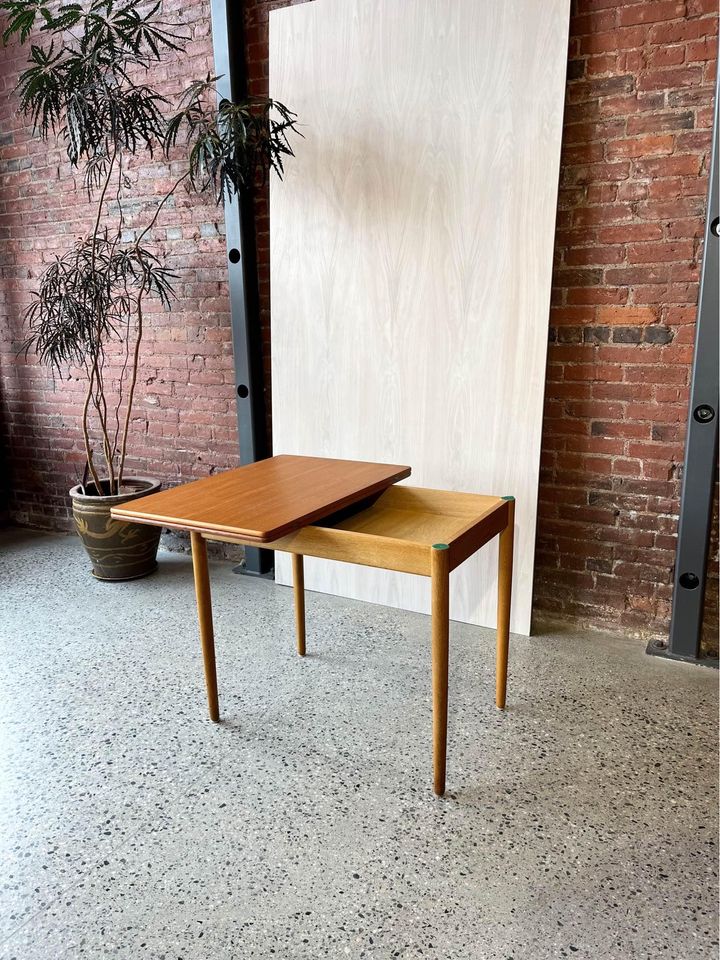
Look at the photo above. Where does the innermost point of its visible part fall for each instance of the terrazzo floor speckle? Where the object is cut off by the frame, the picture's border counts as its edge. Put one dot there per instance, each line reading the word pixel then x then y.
pixel 580 823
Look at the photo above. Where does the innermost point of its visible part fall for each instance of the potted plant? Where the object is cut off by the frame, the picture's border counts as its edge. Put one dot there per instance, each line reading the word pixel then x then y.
pixel 85 87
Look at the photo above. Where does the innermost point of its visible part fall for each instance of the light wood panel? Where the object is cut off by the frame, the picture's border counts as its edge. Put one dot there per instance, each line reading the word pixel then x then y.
pixel 411 251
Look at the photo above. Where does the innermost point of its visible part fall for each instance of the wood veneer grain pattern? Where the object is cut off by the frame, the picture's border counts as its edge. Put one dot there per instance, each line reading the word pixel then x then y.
pixel 400 531
pixel 411 256
pixel 266 500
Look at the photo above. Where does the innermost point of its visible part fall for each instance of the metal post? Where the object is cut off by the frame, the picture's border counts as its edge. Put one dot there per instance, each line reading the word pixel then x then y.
pixel 701 448
pixel 230 66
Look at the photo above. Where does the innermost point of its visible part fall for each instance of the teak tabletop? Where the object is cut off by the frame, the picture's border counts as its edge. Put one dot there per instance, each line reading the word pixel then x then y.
pixel 266 500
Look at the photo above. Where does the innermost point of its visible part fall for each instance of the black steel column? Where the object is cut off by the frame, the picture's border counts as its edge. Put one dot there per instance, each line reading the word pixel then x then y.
pixel 701 447
pixel 230 65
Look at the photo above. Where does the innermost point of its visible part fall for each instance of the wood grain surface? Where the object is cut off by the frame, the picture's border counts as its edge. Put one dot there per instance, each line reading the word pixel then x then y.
pixel 266 500
pixel 400 531
pixel 411 257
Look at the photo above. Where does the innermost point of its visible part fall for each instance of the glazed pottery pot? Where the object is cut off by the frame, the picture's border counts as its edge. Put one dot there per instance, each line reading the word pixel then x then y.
pixel 119 550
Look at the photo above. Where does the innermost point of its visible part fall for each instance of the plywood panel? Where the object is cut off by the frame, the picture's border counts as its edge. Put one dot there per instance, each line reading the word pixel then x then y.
pixel 411 251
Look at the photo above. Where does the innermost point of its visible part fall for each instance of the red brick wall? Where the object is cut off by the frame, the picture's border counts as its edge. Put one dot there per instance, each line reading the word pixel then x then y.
pixel 628 253
pixel 184 423
pixel 630 222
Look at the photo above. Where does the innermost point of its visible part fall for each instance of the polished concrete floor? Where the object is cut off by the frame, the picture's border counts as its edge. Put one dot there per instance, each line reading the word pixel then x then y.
pixel 580 823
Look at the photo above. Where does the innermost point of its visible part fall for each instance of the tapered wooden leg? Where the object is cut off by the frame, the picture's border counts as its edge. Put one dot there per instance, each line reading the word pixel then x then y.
pixel 299 591
pixel 204 606
pixel 440 587
pixel 505 569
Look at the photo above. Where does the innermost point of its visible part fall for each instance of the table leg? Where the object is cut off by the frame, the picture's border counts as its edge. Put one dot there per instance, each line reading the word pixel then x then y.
pixel 440 588
pixel 204 606
pixel 505 569
pixel 299 592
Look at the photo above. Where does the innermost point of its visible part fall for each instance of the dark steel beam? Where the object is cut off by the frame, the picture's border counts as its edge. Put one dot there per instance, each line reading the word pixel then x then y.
pixel 231 67
pixel 701 447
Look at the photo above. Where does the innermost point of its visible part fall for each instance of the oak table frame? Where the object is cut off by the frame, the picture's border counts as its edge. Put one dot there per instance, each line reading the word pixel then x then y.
pixel 408 529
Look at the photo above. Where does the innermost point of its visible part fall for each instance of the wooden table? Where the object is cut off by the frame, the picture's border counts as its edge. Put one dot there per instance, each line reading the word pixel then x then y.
pixel 342 510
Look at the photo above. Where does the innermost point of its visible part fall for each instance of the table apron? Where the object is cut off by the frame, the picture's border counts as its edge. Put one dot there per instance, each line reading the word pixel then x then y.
pixel 368 550
pixel 477 534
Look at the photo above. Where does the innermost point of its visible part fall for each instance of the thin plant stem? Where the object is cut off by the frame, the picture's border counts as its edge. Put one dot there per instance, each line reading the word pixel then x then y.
pixel 86 435
pixel 96 372
pixel 100 404
pixel 138 340
pixel 131 393
pixel 126 338
pixel 162 203
pixel 121 382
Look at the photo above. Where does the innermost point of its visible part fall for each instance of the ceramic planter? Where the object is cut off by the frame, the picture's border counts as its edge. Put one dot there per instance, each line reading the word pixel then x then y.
pixel 119 550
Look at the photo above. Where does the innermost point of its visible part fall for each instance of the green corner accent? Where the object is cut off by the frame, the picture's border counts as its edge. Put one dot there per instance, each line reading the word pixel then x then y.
pixel 507 498
pixel 440 546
